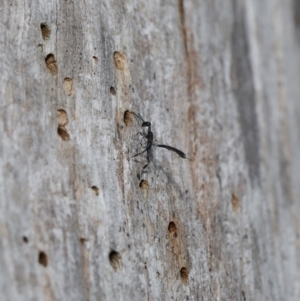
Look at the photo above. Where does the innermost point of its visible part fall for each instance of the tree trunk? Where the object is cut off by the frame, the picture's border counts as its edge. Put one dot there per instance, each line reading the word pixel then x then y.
pixel 218 80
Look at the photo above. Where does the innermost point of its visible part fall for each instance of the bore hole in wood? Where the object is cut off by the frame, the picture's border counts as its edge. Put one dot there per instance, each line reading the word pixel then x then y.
pixel 62 117
pixel 119 60
pixel 83 240
pixel 184 274
pixel 63 134
pixel 96 190
pixel 51 63
pixel 46 31
pixel 128 118
pixel 43 259
pixel 95 58
pixel 112 91
pixel 144 186
pixel 68 86
pixel 62 120
pixel 115 260
pixel 25 239
pixel 172 229
pixel 235 203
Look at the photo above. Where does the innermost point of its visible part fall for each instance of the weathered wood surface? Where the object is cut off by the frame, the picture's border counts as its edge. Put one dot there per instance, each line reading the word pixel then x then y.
pixel 217 79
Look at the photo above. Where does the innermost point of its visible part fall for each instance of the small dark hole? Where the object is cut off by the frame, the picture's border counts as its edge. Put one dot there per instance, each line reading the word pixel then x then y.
pixel 45 29
pixel 51 63
pixel 96 190
pixel 128 118
pixel 172 227
pixel 83 240
pixel 112 91
pixel 120 60
pixel 62 118
pixel 144 186
pixel 184 274
pixel 115 260
pixel 235 202
pixel 63 134
pixel 25 239
pixel 43 260
pixel 95 58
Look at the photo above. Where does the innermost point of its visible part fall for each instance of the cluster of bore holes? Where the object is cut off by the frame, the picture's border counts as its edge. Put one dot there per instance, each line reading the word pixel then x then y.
pixel 114 257
pixel 128 120
pixel 62 120
pixel 115 260
pixel 62 117
pixel 184 273
pixel 43 259
pixel 120 61
pixel 49 59
pixel 52 67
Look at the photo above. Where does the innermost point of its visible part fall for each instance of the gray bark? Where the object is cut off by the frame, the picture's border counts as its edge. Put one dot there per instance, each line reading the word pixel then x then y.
pixel 219 80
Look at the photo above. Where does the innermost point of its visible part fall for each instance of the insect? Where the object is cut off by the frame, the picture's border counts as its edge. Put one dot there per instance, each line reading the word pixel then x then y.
pixel 148 148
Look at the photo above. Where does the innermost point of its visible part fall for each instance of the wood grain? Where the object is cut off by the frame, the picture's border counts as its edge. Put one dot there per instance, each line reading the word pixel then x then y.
pixel 218 80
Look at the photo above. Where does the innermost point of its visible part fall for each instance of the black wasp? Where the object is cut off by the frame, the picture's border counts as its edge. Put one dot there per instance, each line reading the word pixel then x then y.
pixel 148 147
